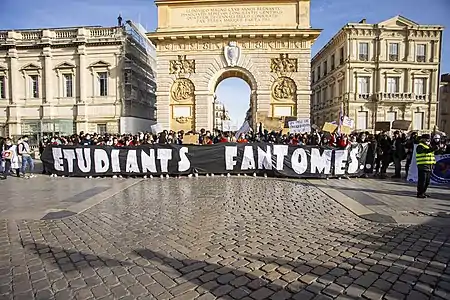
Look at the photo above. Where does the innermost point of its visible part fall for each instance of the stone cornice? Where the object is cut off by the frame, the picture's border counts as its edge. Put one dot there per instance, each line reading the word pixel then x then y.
pixel 308 34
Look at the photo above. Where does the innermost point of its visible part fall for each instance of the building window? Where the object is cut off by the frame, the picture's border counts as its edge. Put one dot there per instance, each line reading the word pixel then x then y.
pixel 332 89
pixel 364 51
pixel 101 128
pixel 362 120
pixel 391 116
pixel 420 52
pixel 68 85
pixel 103 83
pixel 364 85
pixel 332 62
pixel 393 52
pixel 341 56
pixel 318 72
pixel 319 99
pixel 34 86
pixel 341 87
pixel 313 76
pixel 418 121
pixel 419 86
pixel 325 68
pixel 2 87
pixel 325 94
pixel 392 85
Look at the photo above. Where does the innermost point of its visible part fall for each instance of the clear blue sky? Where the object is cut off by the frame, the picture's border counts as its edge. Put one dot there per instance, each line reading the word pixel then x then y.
pixel 329 15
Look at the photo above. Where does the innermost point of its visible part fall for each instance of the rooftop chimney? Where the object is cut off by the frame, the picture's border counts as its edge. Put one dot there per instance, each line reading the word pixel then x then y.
pixel 363 21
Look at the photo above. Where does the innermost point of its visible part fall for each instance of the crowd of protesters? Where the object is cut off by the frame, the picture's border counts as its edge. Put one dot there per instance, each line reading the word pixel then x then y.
pixel 386 148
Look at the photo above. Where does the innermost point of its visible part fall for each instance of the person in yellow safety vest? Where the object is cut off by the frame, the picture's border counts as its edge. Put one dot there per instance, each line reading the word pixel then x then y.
pixel 425 163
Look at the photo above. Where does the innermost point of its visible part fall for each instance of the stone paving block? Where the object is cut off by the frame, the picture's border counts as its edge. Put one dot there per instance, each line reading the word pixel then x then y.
pixel 262 293
pixel 264 239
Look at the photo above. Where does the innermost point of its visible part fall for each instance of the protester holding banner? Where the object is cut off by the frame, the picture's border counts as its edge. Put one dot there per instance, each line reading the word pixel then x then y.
pixel 425 162
pixel 10 158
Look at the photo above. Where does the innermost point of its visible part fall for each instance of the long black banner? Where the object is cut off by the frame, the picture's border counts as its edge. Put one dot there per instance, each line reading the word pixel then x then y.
pixel 225 158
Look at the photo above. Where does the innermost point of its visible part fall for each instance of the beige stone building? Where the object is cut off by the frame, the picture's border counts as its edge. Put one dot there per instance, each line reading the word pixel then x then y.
pixel 200 43
pixel 62 81
pixel 220 114
pixel 444 104
pixel 380 72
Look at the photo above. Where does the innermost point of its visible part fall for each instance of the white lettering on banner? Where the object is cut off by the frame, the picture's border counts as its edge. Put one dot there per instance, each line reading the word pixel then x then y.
pixel 299 161
pixel 101 161
pixel 340 160
pixel 353 166
pixel 280 151
pixel 321 163
pixel 265 158
pixel 132 165
pixel 164 155
pixel 58 161
pixel 184 164
pixel 115 161
pixel 237 158
pixel 148 161
pixel 69 155
pixel 248 161
pixel 84 159
pixel 230 155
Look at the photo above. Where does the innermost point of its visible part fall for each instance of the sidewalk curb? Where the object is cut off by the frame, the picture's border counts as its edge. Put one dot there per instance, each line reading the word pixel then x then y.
pixel 354 206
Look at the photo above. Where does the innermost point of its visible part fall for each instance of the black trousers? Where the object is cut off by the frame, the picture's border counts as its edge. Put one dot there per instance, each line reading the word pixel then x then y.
pixel 398 166
pixel 423 181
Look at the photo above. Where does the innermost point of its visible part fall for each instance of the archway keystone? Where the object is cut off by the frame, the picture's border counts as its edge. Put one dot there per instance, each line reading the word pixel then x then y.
pixel 201 42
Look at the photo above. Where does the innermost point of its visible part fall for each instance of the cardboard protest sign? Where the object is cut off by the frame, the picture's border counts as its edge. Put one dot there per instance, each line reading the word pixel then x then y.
pixel 401 124
pixel 329 127
pixel 383 126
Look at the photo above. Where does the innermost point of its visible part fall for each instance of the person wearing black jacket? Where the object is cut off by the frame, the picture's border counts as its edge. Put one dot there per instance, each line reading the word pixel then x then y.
pixel 398 154
pixel 425 163
pixel 385 151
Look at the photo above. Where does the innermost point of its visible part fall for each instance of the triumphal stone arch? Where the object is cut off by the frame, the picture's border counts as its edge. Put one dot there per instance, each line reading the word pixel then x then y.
pixel 202 42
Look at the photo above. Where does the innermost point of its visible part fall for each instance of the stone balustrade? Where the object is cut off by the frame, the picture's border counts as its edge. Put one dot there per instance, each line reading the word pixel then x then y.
pixel 48 36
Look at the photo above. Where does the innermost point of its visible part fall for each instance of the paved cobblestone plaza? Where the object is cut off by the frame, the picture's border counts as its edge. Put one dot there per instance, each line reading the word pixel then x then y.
pixel 207 238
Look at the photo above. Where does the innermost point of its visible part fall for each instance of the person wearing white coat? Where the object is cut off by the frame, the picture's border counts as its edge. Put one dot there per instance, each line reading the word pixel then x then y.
pixel 10 159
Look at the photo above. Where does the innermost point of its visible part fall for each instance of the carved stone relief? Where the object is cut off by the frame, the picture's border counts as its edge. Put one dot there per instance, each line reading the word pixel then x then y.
pixel 182 65
pixel 182 120
pixel 283 64
pixel 284 89
pixel 182 90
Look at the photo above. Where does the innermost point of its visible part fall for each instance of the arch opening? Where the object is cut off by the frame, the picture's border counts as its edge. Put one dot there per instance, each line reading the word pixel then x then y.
pixel 232 101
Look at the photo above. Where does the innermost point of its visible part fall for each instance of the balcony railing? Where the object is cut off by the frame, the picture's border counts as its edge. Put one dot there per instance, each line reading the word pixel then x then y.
pixel 363 57
pixel 420 58
pixel 58 35
pixel 363 96
pixel 407 97
pixel 420 97
pixel 31 35
pixel 66 34
pixel 393 57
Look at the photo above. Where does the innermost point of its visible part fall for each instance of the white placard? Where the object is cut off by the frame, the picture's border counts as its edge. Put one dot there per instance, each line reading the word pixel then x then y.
pixel 299 126
pixel 157 128
pixel 348 122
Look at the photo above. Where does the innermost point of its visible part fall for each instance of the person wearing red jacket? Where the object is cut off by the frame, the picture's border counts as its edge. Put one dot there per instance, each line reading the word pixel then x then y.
pixel 343 142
